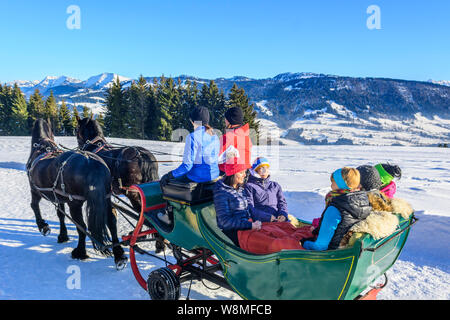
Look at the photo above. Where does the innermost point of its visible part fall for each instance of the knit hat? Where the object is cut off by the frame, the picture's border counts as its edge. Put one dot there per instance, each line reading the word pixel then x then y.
pixel 234 115
pixel 200 114
pixel 370 178
pixel 388 172
pixel 259 162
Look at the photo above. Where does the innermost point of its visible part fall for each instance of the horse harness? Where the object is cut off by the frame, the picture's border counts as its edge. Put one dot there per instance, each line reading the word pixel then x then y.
pixel 51 154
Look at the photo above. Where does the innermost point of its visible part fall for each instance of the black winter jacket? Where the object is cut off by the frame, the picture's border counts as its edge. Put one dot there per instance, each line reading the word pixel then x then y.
pixel 354 207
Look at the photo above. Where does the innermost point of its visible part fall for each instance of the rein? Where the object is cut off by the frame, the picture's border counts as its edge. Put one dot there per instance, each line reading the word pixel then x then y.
pixel 100 146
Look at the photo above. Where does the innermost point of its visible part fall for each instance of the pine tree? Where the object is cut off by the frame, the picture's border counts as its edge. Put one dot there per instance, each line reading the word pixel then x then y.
pixel 178 115
pixel 35 107
pixel 238 98
pixel 1 109
pixel 189 100
pixel 116 110
pixel 151 121
pixel 167 101
pixel 19 113
pixel 101 120
pixel 65 120
pixel 138 99
pixel 6 101
pixel 214 100
pixel 51 112
pixel 86 112
pixel 75 117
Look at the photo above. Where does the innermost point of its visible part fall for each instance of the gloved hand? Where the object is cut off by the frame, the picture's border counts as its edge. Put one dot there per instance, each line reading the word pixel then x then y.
pixel 165 179
pixel 256 225
pixel 302 241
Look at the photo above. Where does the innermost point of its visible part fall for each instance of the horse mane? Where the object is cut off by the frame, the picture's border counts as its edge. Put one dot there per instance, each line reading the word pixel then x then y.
pixel 41 130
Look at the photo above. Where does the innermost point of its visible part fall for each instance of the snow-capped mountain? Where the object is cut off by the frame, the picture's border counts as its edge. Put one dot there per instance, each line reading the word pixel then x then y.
pixel 441 82
pixel 289 76
pixel 103 81
pixel 307 107
pixel 50 82
pixel 23 84
pixel 63 85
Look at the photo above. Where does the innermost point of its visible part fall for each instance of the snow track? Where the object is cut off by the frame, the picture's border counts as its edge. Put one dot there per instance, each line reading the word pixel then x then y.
pixel 37 267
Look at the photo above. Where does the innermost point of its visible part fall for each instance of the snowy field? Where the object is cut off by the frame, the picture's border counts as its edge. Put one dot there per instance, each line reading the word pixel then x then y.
pixel 37 267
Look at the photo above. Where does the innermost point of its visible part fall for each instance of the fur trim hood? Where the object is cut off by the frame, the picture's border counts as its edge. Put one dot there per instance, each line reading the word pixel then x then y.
pixel 383 220
pixel 380 202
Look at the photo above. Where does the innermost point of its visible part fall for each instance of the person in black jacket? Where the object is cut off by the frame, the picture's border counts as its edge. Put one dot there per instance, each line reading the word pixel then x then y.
pixel 345 206
pixel 231 205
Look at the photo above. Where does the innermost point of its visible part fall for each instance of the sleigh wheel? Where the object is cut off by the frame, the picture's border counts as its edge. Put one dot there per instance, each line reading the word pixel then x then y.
pixel 163 284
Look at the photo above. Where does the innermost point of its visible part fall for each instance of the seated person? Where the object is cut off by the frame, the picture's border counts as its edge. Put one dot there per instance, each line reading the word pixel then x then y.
pixel 380 178
pixel 264 196
pixel 234 219
pixel 387 174
pixel 200 159
pixel 345 206
pixel 232 212
pixel 235 143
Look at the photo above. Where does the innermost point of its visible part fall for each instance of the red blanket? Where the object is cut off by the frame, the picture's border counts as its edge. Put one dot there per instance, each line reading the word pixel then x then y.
pixel 273 237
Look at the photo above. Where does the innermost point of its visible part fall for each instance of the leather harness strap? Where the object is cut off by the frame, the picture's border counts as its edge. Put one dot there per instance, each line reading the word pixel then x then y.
pixel 59 176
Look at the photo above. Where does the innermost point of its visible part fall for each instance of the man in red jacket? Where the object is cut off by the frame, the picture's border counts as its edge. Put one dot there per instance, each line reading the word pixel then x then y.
pixel 236 146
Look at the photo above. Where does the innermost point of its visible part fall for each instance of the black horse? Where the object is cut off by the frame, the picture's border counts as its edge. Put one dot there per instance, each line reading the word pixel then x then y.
pixel 73 178
pixel 129 165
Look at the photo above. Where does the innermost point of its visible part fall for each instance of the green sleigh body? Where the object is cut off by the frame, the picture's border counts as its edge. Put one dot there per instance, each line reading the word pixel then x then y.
pixel 289 274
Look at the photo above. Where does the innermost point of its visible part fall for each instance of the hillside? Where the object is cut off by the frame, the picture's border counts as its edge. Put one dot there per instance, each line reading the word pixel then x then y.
pixel 309 108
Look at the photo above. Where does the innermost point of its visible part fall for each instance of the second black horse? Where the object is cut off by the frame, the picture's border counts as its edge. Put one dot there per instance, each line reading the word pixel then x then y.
pixel 129 165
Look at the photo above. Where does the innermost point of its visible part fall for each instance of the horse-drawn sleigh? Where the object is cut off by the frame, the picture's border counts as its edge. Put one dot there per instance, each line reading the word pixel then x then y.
pixel 200 249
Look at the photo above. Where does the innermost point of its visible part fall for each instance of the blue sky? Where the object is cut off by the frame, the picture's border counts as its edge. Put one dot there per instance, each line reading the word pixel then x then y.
pixel 212 38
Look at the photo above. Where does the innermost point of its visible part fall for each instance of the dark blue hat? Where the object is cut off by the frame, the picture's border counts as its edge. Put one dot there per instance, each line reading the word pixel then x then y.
pixel 200 114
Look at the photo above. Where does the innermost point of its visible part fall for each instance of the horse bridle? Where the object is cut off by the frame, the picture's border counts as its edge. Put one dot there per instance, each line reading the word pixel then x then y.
pixel 98 141
pixel 43 149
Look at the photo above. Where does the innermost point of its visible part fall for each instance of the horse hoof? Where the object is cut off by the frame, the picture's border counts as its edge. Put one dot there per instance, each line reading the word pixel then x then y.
pixel 45 230
pixel 76 254
pixel 121 263
pixel 63 238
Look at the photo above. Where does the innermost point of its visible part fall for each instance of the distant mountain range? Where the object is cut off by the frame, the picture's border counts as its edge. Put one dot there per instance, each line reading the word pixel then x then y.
pixel 309 108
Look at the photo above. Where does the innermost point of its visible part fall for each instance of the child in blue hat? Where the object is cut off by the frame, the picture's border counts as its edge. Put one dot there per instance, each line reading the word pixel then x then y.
pixel 265 197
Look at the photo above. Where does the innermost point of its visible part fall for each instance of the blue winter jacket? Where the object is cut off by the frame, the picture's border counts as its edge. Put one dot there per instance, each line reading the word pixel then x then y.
pixel 231 208
pixel 265 199
pixel 200 159
pixel 330 221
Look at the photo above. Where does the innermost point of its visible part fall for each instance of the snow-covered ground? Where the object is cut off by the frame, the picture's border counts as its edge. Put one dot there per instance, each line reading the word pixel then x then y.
pixel 336 122
pixel 37 267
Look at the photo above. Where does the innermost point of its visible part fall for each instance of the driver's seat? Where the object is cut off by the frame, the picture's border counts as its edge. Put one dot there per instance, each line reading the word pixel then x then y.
pixel 189 193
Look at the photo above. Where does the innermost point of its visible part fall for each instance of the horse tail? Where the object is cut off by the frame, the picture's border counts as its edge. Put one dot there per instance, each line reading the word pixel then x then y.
pixel 149 166
pixel 99 208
